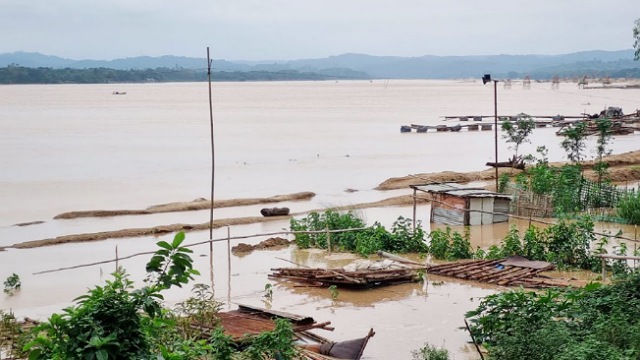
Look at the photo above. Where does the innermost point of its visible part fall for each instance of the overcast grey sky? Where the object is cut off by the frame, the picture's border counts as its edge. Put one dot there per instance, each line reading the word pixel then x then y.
pixel 296 29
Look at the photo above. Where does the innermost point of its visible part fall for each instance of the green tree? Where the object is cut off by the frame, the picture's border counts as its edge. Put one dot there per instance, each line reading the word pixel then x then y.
pixel 604 138
pixel 636 36
pixel 518 132
pixel 574 141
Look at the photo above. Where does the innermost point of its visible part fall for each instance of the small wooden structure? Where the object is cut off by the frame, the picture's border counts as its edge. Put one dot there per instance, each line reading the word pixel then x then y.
pixel 456 204
pixel 249 321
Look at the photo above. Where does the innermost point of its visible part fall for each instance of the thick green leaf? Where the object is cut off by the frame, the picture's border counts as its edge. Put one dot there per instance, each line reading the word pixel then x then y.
pixel 165 245
pixel 178 239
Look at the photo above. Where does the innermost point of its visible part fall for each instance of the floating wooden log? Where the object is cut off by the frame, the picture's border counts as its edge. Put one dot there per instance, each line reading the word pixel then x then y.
pixel 485 127
pixel 473 127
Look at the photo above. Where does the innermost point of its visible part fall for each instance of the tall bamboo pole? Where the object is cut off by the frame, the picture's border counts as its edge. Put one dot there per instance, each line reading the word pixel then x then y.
pixel 213 166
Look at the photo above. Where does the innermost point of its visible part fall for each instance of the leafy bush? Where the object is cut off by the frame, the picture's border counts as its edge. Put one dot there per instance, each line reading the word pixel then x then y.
pixel 12 284
pixel 628 208
pixel 108 321
pixel 430 352
pixel 448 245
pixel 330 220
pixel 365 241
pixel 116 321
pixel 594 322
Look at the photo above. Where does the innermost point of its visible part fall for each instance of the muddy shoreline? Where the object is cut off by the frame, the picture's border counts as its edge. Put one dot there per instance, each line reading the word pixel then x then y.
pixel 403 200
pixel 623 167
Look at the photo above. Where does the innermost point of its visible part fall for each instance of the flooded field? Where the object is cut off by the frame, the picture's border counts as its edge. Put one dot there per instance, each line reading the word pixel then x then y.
pixel 71 148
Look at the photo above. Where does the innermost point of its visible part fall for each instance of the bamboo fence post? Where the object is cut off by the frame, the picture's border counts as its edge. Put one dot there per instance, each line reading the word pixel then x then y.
pixel 473 339
pixel 604 268
pixel 213 167
pixel 328 238
pixel 414 209
pixel 228 265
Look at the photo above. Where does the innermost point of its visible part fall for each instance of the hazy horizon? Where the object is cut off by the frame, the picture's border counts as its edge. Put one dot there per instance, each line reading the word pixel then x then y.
pixel 279 30
pixel 305 58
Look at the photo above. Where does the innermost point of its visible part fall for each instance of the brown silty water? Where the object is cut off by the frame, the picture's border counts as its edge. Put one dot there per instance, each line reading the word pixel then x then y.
pixel 79 148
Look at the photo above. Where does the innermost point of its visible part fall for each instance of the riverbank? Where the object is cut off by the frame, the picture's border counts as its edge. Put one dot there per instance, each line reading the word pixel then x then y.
pixel 624 167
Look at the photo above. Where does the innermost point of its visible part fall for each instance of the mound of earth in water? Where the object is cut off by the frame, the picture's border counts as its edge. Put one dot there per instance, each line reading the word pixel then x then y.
pixel 622 167
pixel 198 204
pixel 275 242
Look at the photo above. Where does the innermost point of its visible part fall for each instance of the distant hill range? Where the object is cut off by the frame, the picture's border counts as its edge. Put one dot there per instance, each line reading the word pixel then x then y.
pixel 593 63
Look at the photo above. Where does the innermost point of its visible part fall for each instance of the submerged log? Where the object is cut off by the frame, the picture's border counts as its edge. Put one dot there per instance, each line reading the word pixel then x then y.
pixel 514 162
pixel 275 211
pixel 506 164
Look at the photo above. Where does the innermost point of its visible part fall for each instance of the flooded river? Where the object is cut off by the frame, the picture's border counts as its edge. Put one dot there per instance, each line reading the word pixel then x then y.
pixel 78 147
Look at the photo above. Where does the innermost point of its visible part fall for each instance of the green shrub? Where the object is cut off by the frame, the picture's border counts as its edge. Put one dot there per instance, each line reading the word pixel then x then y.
pixel 450 245
pixel 628 208
pixel 430 352
pixel 116 321
pixel 594 322
pixel 12 284
pixel 400 239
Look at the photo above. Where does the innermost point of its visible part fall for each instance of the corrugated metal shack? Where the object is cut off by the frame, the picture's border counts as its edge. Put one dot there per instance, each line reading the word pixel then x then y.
pixel 456 204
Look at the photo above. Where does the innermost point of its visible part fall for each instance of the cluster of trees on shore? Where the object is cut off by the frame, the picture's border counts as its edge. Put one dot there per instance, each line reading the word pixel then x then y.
pixel 14 74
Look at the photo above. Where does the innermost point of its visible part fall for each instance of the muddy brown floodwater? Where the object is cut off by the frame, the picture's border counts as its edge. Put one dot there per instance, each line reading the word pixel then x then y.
pixel 338 139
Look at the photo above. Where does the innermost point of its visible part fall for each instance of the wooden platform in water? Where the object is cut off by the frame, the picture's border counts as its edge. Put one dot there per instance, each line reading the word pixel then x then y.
pixel 477 122
pixel 512 271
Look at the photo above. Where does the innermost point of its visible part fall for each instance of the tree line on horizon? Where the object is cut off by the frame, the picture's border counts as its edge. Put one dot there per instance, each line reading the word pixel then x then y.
pixel 15 74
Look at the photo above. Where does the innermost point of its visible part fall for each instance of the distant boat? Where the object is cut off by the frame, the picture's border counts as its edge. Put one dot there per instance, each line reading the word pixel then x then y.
pixel 119 93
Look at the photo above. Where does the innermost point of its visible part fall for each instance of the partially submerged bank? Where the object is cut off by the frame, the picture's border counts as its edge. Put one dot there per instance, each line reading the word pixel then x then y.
pixel 622 167
pixel 217 223
pixel 198 204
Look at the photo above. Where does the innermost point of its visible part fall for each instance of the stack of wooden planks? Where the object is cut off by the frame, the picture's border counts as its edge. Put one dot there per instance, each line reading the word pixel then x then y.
pixel 359 278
